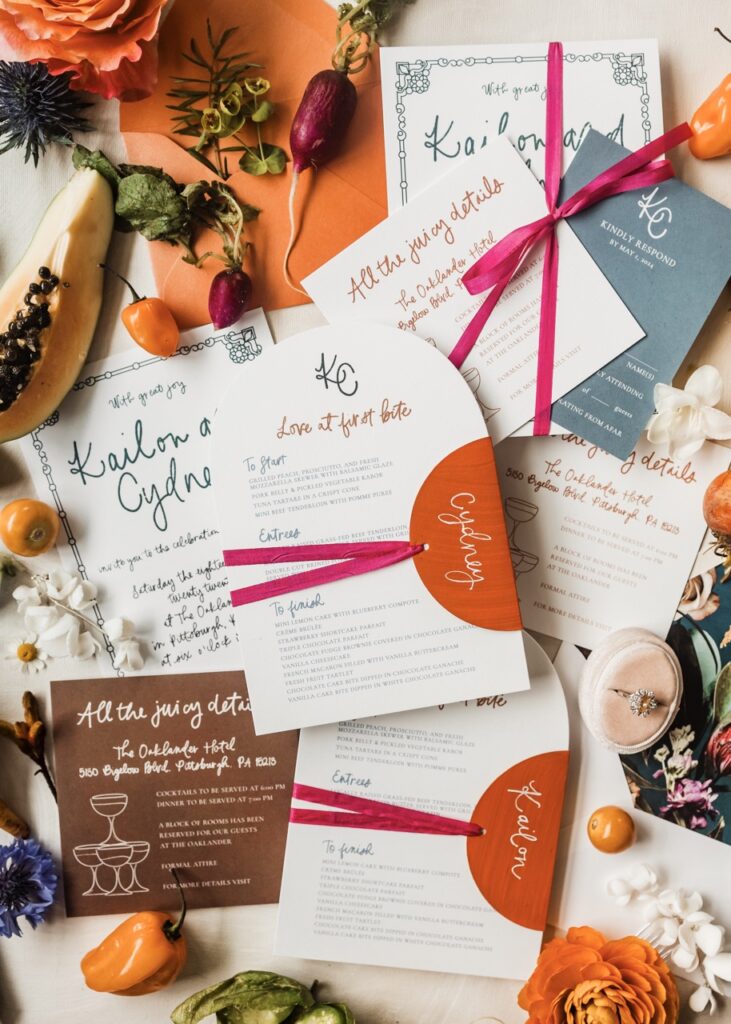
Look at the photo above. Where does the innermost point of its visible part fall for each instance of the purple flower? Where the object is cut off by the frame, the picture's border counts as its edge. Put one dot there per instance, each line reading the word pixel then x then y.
pixel 691 800
pixel 28 881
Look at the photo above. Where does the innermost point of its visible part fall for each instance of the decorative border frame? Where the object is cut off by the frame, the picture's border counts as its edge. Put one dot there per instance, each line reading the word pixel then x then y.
pixel 415 77
pixel 242 346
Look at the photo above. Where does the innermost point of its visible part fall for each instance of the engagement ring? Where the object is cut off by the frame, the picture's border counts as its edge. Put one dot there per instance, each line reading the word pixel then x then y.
pixel 642 702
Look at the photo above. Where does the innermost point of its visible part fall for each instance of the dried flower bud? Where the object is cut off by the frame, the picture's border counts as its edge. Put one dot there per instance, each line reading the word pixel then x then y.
pixel 31 709
pixel 12 823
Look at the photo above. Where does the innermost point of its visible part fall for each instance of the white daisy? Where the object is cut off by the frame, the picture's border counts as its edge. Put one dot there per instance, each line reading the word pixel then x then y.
pixel 27 651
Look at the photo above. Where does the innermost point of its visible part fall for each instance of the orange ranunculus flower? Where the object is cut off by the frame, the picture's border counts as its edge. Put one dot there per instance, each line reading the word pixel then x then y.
pixel 109 46
pixel 583 979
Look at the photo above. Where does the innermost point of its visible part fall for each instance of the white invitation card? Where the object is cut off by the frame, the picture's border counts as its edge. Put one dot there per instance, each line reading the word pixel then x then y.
pixel 598 544
pixel 125 460
pixel 407 272
pixel 351 435
pixel 465 904
pixel 443 103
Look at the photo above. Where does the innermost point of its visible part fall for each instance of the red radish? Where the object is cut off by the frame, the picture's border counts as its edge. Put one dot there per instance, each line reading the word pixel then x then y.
pixel 318 130
pixel 229 296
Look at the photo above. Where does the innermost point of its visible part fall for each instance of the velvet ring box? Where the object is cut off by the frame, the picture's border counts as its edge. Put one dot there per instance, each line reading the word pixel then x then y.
pixel 630 690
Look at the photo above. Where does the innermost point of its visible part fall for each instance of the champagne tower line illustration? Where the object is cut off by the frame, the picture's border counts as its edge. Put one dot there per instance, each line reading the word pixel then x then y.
pixel 113 860
pixel 517 512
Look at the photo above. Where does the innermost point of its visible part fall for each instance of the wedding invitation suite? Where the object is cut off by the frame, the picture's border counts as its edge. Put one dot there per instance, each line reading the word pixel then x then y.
pixel 442 103
pixel 469 904
pixel 407 272
pixel 126 462
pixel 599 544
pixel 351 435
pixel 163 772
pixel 667 252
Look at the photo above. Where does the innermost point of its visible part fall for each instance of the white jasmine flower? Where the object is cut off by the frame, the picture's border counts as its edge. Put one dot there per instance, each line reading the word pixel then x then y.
pixel 702 999
pixel 82 596
pixel 119 629
pixel 128 655
pixel 81 644
pixel 41 618
pixel 640 882
pixel 70 589
pixel 686 417
pixel 122 634
pixel 710 937
pixel 685 955
pixel 65 638
pixel 715 967
pixel 27 651
pixel 676 922
pixel 27 597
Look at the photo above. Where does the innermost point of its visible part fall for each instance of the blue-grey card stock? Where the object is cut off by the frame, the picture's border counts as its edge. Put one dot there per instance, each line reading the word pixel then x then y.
pixel 667 252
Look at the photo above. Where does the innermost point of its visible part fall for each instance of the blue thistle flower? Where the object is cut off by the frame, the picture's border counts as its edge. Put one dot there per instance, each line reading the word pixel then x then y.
pixel 28 881
pixel 37 108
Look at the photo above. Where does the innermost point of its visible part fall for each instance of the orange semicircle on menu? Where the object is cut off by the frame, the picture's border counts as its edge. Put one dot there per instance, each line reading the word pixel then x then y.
pixel 512 863
pixel 458 515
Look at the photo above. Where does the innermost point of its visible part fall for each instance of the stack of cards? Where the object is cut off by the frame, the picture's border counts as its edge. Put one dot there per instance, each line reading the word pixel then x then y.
pixel 414 684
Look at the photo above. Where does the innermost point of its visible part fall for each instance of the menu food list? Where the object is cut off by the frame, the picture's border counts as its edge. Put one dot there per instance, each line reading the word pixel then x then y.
pixel 164 772
pixel 351 435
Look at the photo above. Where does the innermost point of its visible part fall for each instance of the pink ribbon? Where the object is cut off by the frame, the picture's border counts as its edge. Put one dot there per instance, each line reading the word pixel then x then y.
pixel 497 267
pixel 359 558
pixel 359 812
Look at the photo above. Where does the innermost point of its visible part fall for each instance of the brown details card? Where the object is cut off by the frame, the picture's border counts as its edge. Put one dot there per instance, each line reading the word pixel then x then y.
pixel 163 772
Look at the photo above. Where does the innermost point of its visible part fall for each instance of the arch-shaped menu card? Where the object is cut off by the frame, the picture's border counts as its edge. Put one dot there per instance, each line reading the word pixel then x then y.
pixel 468 904
pixel 352 435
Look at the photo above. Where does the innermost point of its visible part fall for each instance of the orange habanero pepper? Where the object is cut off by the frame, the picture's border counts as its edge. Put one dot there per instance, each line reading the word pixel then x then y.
pixel 711 124
pixel 149 322
pixel 143 954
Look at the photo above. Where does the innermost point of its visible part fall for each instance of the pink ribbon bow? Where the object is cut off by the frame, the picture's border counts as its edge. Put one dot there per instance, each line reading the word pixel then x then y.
pixel 497 267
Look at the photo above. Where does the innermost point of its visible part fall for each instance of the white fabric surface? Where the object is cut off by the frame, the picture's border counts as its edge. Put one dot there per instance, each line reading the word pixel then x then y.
pixel 39 974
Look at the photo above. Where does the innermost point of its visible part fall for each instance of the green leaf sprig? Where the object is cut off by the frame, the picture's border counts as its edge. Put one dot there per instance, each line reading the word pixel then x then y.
pixel 260 997
pixel 217 106
pixel 356 33
pixel 213 205
pixel 152 202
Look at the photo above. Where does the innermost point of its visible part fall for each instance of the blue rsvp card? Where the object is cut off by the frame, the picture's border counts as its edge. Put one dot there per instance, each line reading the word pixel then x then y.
pixel 666 250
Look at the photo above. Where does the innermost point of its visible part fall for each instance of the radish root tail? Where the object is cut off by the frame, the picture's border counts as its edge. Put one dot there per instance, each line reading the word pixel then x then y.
pixel 293 232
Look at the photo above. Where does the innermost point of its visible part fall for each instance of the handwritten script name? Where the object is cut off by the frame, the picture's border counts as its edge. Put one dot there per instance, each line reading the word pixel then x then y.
pixel 132 493
pixel 526 799
pixel 461 515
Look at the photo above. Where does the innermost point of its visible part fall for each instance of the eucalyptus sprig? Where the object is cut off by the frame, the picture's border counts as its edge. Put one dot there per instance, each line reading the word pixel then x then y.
pixel 356 33
pixel 215 104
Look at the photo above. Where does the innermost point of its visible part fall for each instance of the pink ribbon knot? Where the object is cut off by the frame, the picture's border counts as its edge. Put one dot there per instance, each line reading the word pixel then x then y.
pixel 497 267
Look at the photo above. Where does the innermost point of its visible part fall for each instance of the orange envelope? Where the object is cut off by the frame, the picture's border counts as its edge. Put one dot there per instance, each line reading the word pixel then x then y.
pixel 293 39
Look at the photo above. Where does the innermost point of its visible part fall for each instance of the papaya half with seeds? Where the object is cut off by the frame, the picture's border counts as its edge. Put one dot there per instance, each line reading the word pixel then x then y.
pixel 50 304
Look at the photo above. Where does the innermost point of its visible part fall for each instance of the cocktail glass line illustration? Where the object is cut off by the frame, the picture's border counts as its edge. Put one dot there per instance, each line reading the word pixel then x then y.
pixel 518 511
pixel 473 381
pixel 119 856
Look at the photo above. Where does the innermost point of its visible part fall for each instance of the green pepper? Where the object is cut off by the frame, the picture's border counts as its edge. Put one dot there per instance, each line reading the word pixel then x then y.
pixel 260 997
